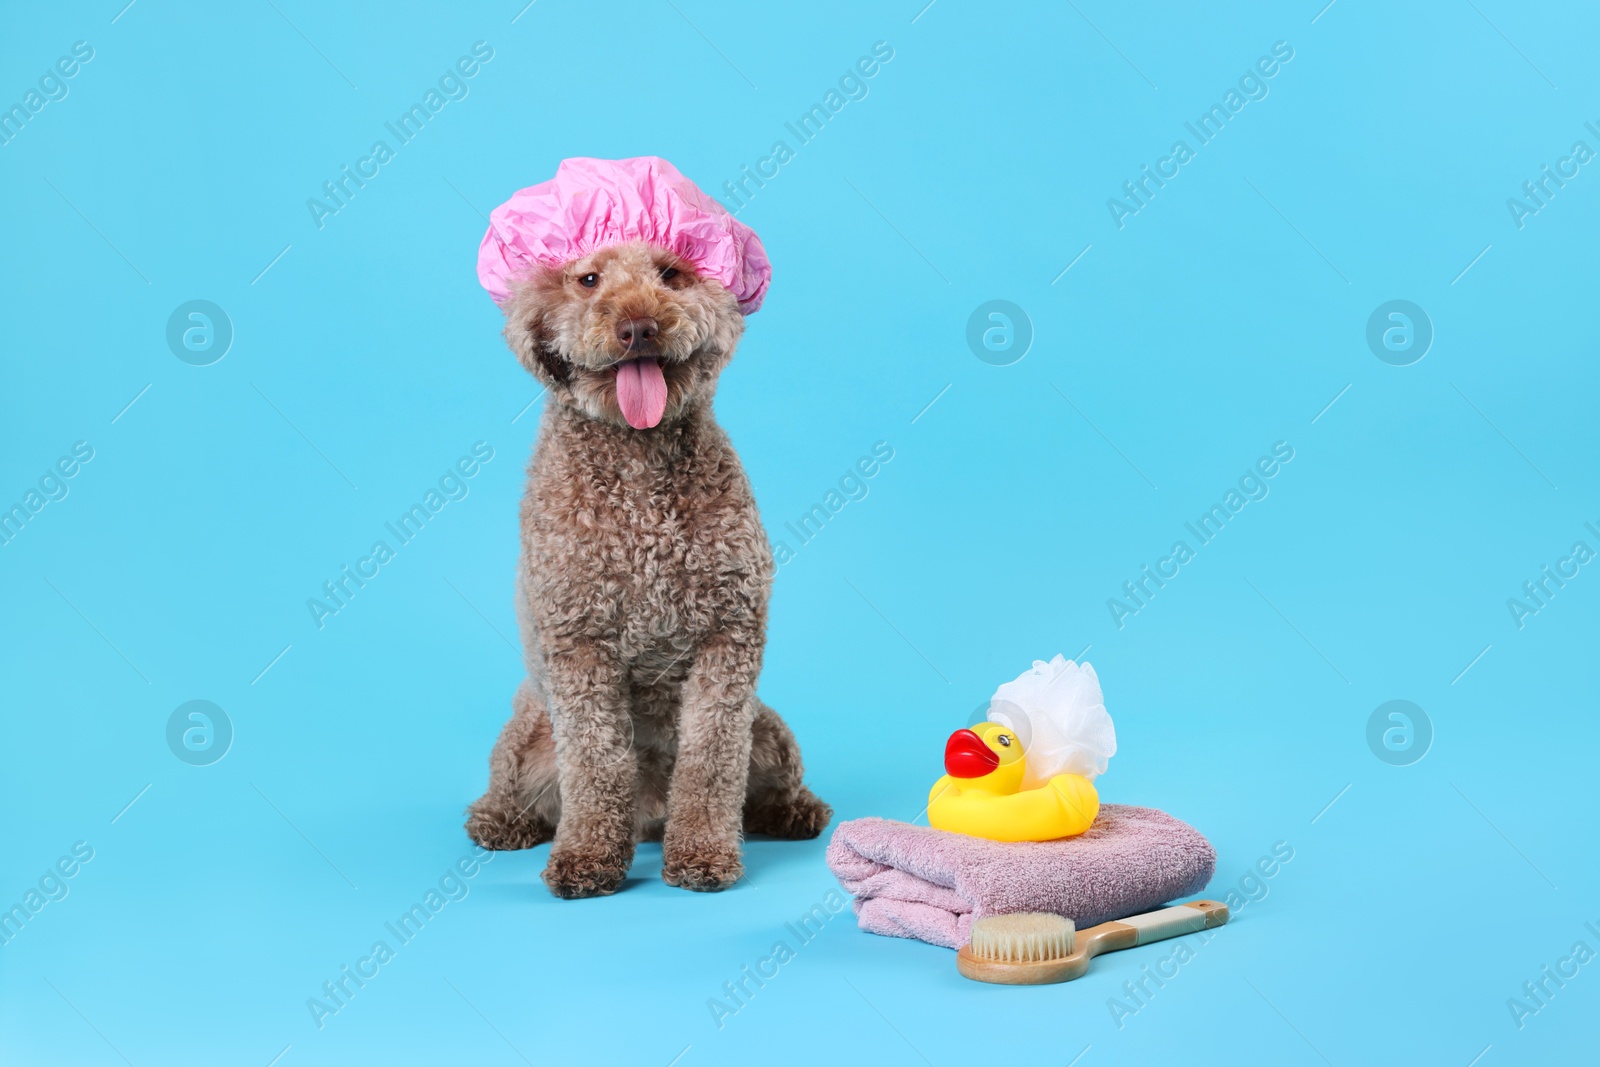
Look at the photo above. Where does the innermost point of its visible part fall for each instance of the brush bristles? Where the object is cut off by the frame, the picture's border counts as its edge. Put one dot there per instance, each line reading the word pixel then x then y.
pixel 1025 937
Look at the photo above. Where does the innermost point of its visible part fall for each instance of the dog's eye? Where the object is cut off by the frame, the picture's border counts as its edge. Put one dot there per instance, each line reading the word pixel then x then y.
pixel 589 281
pixel 668 273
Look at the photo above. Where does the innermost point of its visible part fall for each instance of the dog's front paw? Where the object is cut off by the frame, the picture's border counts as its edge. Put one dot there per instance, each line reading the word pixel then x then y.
pixel 705 868
pixel 572 874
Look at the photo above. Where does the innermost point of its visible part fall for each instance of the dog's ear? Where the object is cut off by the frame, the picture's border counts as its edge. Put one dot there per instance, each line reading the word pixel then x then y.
pixel 530 336
pixel 559 369
pixel 535 348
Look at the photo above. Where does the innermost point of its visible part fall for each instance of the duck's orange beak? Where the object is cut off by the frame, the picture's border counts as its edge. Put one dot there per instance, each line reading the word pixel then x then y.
pixel 966 756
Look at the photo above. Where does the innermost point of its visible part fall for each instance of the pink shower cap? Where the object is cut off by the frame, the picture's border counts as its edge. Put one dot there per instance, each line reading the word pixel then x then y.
pixel 593 203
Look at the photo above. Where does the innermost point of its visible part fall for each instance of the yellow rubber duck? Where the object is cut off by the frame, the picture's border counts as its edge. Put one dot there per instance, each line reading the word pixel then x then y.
pixel 981 792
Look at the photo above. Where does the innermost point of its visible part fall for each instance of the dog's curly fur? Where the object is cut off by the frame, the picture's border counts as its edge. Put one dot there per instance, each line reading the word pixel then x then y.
pixel 642 596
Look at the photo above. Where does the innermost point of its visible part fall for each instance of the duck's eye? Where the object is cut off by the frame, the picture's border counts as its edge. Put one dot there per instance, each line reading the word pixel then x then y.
pixel 589 281
pixel 668 273
pixel 1003 739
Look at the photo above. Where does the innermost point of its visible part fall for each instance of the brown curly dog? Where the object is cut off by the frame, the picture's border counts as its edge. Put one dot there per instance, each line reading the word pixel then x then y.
pixel 642 592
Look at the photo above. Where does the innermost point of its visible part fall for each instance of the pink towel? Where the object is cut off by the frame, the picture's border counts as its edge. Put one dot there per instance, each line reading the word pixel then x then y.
pixel 915 881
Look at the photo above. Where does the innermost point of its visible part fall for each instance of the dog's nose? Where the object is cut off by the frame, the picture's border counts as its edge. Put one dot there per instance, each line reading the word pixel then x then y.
pixel 633 332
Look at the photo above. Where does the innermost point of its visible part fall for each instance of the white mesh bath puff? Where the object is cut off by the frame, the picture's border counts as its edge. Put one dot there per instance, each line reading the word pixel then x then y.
pixel 1058 712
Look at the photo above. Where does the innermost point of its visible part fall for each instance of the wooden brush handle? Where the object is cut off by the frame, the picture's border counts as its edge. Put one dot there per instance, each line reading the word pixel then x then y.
pixel 1188 918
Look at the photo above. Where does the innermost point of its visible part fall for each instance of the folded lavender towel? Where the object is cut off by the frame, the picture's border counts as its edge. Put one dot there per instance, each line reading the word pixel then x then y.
pixel 915 881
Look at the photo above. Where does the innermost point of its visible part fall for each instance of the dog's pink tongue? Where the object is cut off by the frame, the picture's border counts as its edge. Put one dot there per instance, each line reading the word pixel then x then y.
pixel 641 392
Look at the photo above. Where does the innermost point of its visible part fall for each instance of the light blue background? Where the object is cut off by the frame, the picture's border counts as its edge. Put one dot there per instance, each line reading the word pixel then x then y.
pixel 1224 317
